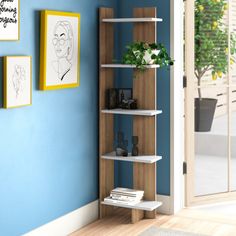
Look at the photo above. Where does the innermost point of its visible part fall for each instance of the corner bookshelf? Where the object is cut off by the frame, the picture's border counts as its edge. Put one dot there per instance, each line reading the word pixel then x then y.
pixel 144 120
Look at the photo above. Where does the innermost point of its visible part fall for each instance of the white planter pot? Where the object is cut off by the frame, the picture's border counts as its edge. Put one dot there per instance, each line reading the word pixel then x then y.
pixel 147 56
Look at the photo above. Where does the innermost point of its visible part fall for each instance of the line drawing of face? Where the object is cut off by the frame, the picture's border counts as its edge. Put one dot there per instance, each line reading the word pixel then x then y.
pixel 18 79
pixel 63 43
pixel 63 40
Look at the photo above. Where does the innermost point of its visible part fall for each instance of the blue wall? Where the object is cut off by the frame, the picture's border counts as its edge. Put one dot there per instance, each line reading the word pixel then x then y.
pixel 124 171
pixel 48 151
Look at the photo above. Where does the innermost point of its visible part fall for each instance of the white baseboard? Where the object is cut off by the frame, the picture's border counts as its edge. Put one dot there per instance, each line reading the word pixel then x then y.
pixel 166 206
pixel 69 223
pixel 83 216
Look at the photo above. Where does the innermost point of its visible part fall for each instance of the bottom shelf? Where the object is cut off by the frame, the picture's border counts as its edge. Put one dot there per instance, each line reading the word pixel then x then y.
pixel 143 205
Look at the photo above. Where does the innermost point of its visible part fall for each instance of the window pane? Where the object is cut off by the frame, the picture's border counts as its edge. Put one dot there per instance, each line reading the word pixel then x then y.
pixel 233 140
pixel 233 40
pixel 211 96
pixel 211 142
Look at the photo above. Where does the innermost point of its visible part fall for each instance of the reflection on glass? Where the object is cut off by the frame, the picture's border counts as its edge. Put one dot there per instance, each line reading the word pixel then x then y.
pixel 232 9
pixel 211 113
pixel 233 140
pixel 211 42
pixel 211 143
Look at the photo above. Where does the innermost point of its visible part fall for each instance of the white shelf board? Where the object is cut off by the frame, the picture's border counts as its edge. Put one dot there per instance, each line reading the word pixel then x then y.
pixel 128 66
pixel 142 159
pixel 133 112
pixel 124 20
pixel 143 205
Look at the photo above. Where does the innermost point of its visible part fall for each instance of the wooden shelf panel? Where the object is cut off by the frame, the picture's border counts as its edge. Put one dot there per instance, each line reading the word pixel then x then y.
pixel 144 90
pixel 149 159
pixel 135 20
pixel 106 123
pixel 133 112
pixel 128 66
pixel 143 205
pixel 144 121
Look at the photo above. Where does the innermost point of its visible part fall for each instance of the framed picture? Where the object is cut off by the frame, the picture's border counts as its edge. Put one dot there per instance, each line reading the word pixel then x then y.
pixel 17 81
pixel 124 94
pixel 60 50
pixel 9 20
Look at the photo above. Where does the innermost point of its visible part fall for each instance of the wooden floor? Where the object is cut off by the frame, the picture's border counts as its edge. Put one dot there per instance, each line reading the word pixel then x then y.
pixel 187 220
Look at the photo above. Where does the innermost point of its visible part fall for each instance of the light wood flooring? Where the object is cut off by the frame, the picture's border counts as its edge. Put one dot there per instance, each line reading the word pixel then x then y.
pixel 188 220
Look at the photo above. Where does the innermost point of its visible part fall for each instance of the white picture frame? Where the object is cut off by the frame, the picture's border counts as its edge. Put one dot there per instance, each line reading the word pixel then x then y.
pixel 10 20
pixel 17 81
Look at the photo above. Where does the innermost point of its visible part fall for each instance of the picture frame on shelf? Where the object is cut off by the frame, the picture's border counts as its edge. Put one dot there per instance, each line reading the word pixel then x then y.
pixel 17 81
pixel 120 98
pixel 124 94
pixel 10 20
pixel 125 99
pixel 60 50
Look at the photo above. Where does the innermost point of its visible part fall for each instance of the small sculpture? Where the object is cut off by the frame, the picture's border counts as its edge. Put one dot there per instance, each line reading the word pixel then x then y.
pixel 135 147
pixel 130 104
pixel 120 138
pixel 125 148
pixel 122 145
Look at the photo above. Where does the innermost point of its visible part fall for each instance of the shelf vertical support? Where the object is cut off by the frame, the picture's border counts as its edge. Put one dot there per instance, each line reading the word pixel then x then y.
pixel 144 90
pixel 106 134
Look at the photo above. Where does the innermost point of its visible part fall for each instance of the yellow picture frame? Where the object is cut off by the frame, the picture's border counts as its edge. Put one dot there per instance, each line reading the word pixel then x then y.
pixel 10 84
pixel 18 26
pixel 58 80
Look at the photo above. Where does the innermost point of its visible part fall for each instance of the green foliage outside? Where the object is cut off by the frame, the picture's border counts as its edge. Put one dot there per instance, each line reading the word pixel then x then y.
pixel 211 39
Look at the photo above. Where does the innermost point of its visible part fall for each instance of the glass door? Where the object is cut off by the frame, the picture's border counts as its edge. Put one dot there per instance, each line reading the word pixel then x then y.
pixel 211 99
pixel 232 168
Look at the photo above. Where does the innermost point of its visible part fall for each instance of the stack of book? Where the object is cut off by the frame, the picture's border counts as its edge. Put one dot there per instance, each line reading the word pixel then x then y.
pixel 125 196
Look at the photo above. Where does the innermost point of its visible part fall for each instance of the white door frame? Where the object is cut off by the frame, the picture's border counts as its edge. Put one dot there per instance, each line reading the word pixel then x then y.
pixel 177 107
pixel 189 100
pixel 192 200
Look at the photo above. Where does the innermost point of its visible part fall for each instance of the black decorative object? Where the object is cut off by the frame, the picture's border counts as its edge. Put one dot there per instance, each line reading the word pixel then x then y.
pixel 125 99
pixel 130 104
pixel 120 98
pixel 122 145
pixel 120 138
pixel 111 98
pixel 125 148
pixel 135 147
pixel 124 94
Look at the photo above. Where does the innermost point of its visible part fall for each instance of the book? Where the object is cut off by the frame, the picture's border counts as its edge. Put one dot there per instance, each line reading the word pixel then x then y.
pixel 125 195
pixel 124 198
pixel 110 200
pixel 127 192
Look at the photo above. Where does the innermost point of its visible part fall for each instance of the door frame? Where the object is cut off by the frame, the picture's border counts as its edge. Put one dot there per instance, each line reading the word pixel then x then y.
pixel 189 91
pixel 191 200
pixel 177 107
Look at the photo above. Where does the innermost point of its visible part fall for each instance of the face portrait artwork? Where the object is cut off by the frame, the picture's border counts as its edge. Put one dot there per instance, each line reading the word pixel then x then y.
pixel 17 81
pixel 60 43
pixel 63 45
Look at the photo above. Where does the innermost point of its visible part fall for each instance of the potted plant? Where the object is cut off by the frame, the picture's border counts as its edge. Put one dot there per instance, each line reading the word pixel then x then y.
pixel 211 54
pixel 141 54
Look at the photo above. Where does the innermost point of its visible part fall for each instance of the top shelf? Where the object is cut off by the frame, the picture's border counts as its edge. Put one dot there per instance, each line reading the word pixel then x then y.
pixel 135 20
pixel 128 66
